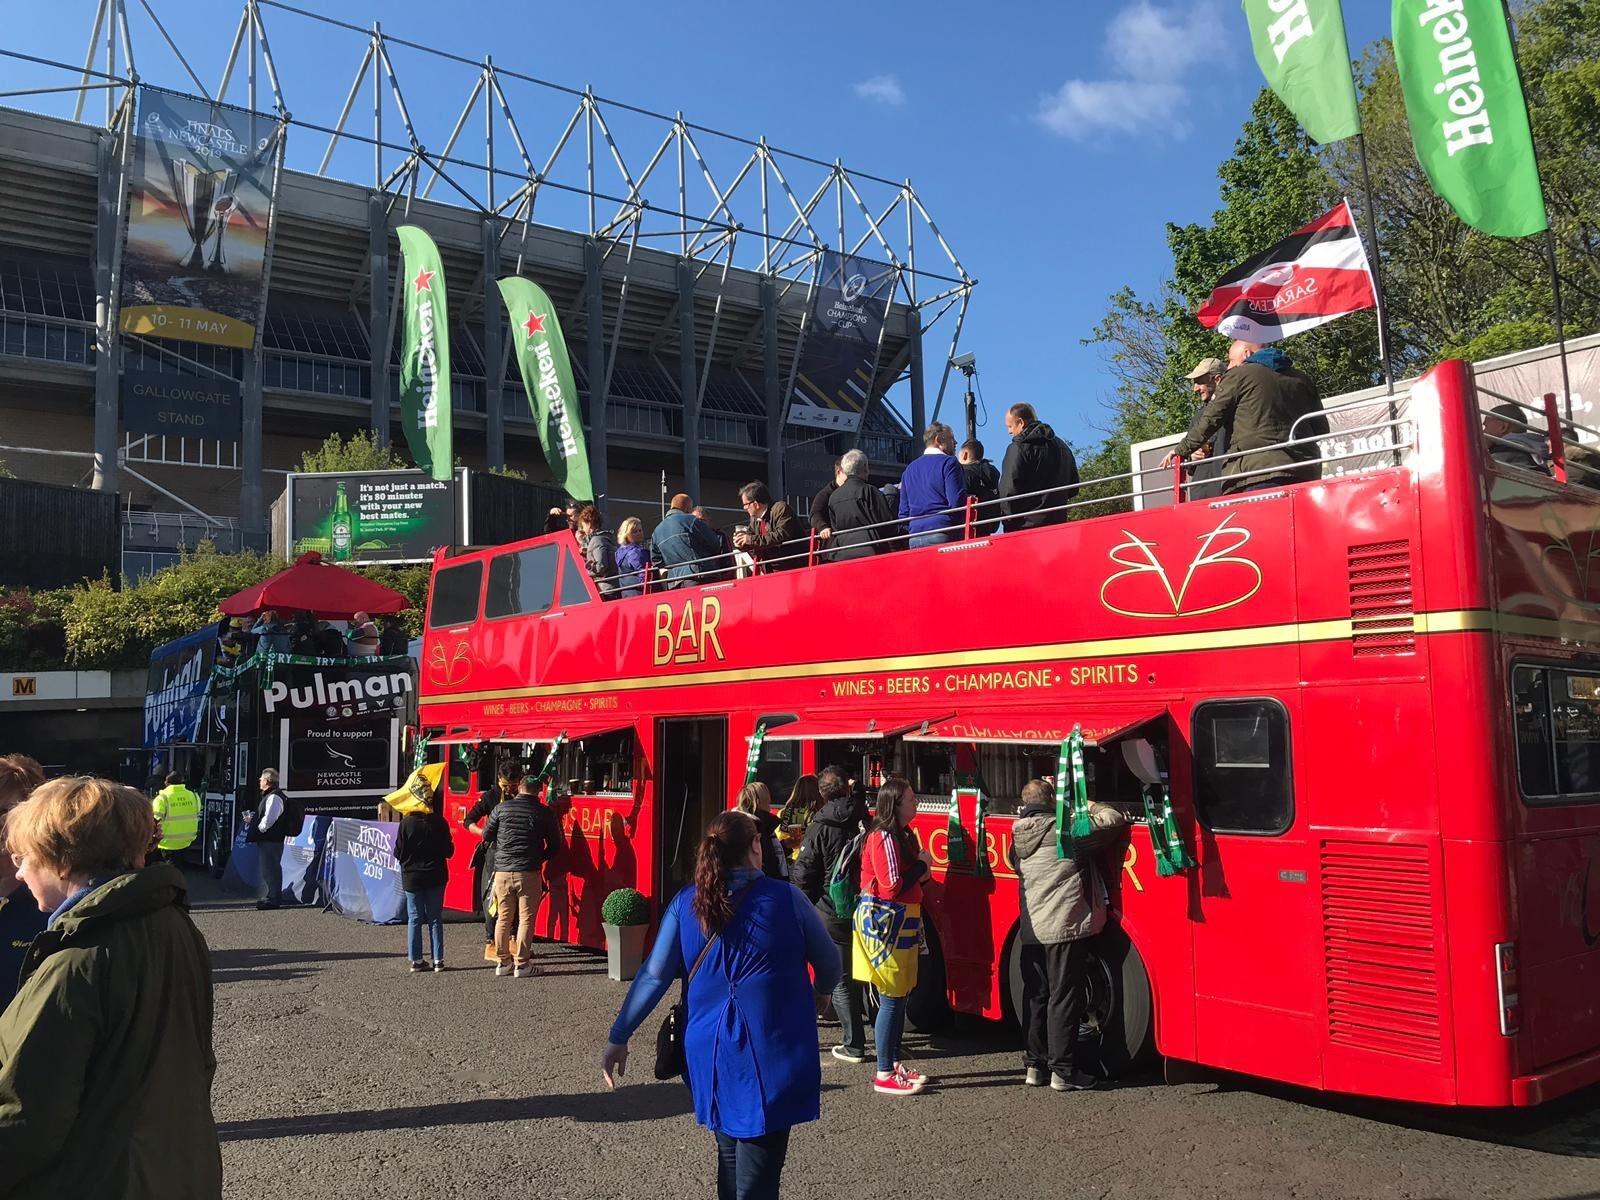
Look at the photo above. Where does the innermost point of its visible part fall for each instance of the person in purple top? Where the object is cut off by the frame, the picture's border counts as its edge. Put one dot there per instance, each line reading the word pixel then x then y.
pixel 932 485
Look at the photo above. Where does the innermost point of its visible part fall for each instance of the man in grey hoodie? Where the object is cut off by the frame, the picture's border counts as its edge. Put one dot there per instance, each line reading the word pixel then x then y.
pixel 1064 902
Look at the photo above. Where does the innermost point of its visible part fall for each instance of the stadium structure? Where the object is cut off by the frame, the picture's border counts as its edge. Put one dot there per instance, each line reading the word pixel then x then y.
pixel 683 262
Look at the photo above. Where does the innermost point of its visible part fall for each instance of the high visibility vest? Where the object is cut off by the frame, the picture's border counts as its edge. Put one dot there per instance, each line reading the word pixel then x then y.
pixel 178 811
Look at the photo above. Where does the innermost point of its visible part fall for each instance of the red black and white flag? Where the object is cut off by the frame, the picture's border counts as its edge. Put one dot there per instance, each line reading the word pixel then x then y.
pixel 1316 274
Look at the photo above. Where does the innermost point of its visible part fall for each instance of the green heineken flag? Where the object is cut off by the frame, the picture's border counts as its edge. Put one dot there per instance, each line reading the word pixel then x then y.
pixel 1469 121
pixel 547 377
pixel 1301 47
pixel 425 355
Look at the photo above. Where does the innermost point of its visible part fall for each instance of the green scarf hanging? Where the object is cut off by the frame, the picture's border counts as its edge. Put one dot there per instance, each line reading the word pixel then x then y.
pixel 549 768
pixel 1172 856
pixel 1063 781
pixel 1082 823
pixel 421 755
pixel 981 867
pixel 753 760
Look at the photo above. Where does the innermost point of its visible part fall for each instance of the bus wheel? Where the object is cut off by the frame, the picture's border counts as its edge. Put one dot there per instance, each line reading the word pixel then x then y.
pixel 1117 1033
pixel 928 1006
pixel 216 861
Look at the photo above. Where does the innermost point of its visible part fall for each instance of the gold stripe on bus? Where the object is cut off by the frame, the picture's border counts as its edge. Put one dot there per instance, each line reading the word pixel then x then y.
pixel 1250 637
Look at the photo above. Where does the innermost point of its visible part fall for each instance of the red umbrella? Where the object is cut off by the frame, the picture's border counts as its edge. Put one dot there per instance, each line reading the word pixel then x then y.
pixel 322 589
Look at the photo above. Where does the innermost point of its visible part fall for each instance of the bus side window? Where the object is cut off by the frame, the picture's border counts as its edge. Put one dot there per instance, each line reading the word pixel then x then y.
pixel 460 768
pixel 572 590
pixel 1557 718
pixel 455 595
pixel 521 582
pixel 1243 782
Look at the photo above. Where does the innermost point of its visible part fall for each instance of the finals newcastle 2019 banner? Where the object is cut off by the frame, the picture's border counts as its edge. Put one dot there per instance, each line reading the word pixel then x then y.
pixel 839 356
pixel 200 201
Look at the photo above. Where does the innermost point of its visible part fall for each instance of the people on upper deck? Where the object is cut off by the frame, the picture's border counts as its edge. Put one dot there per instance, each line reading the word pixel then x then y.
pixel 362 636
pixel 555 521
pixel 1205 476
pixel 599 551
pixel 930 487
pixel 1039 474
pixel 683 546
pixel 1258 401
pixel 855 508
pixel 1513 442
pixel 982 480
pixel 633 556
pixel 1583 460
pixel 724 562
pixel 774 537
pixel 270 634
pixel 821 526
pixel 392 640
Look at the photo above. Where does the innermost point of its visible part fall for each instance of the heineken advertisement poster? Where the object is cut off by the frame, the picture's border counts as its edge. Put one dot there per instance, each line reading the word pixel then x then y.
pixel 200 190
pixel 547 378
pixel 839 355
pixel 371 516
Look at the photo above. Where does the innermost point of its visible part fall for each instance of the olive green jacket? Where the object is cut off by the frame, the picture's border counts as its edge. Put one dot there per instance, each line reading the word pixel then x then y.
pixel 105 1054
pixel 1257 406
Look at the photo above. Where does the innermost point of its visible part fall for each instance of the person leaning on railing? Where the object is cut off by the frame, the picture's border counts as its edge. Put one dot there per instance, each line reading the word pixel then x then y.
pixel 679 544
pixel 859 514
pixel 773 524
pixel 1258 401
pixel 1513 442
pixel 932 490
pixel 1039 476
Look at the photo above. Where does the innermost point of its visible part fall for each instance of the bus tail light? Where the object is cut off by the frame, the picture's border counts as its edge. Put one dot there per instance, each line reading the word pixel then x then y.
pixel 1505 970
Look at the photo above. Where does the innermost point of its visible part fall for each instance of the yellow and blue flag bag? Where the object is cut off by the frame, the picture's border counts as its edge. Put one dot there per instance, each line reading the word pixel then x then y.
pixel 418 792
pixel 885 945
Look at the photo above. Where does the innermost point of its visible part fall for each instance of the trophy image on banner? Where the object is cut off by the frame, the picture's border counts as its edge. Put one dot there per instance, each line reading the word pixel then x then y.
pixel 206 203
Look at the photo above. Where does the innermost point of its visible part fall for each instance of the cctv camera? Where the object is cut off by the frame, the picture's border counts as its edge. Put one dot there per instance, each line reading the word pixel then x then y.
pixel 965 362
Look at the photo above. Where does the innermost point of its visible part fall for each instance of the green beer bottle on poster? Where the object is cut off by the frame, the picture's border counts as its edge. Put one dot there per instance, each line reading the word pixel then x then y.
pixel 342 530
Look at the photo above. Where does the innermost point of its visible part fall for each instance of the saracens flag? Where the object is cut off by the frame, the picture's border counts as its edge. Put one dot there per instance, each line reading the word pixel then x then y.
pixel 1316 274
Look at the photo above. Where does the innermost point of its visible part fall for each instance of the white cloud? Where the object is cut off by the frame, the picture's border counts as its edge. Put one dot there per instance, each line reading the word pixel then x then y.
pixel 1149 51
pixel 882 89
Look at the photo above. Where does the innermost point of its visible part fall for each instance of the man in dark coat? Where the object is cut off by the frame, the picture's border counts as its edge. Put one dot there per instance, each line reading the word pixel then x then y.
pixel 1039 472
pixel 1205 476
pixel 829 834
pixel 983 484
pixel 1258 402
pixel 775 534
pixel 855 505
pixel 680 543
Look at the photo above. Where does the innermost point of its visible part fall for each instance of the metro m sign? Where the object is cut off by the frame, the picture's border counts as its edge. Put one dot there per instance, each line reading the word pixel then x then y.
pixel 23 686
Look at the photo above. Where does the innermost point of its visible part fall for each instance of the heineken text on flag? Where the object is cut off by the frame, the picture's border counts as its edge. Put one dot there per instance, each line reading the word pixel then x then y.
pixel 1469 122
pixel 425 355
pixel 1317 273
pixel 547 377
pixel 1301 47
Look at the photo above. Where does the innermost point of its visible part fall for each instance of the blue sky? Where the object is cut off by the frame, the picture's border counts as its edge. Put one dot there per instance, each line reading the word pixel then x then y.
pixel 1050 142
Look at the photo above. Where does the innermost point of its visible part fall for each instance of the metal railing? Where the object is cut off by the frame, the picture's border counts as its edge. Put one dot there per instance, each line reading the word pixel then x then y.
pixel 1557 445
pixel 46 339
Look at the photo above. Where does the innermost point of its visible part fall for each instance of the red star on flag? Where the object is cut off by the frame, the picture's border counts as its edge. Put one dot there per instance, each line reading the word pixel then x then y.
pixel 424 280
pixel 534 324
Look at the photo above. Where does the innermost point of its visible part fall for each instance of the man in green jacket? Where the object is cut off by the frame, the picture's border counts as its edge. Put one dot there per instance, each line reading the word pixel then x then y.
pixel 1258 402
pixel 106 1057
pixel 177 813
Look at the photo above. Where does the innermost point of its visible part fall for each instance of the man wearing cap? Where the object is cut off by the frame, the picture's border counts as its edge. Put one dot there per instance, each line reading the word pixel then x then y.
pixel 1258 402
pixel 1206 472
pixel 683 546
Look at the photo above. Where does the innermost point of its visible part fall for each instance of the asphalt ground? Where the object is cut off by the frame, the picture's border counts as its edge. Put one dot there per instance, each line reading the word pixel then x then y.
pixel 341 1075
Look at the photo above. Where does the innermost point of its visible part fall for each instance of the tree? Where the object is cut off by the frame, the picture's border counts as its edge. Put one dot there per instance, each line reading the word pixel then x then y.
pixel 360 452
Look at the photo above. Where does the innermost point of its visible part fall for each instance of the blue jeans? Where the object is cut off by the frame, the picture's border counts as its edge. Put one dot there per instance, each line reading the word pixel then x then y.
pixel 934 537
pixel 749 1168
pixel 425 908
pixel 891 1023
pixel 849 1006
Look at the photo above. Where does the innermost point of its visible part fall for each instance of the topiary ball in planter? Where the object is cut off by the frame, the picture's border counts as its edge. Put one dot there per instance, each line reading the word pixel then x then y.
pixel 625 906
pixel 626 917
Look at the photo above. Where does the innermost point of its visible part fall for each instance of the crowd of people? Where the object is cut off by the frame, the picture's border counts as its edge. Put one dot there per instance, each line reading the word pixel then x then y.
pixel 239 639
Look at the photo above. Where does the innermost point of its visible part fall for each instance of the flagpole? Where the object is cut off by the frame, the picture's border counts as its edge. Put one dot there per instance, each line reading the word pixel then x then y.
pixel 1371 222
pixel 1549 228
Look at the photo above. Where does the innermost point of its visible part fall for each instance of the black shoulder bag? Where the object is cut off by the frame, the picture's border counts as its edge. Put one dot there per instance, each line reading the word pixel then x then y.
pixel 670 1062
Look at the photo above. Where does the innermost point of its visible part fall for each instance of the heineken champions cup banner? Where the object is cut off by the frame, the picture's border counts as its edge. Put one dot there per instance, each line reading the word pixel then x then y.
pixel 839 356
pixel 547 378
pixel 1301 48
pixel 200 202
pixel 1469 122
pixel 425 355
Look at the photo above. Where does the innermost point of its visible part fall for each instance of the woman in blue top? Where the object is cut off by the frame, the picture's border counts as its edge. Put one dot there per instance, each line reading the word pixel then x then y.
pixel 751 1036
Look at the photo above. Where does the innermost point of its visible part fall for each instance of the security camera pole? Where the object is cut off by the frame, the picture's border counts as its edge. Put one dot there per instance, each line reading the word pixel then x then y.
pixel 967 364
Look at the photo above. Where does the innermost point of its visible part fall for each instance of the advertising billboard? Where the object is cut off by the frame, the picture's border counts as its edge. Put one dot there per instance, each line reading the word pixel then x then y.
pixel 200 190
pixel 372 516
pixel 839 353
pixel 176 688
pixel 338 725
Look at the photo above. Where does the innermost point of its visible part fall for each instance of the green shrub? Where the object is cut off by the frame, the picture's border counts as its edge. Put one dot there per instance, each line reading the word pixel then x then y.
pixel 31 634
pixel 360 452
pixel 625 906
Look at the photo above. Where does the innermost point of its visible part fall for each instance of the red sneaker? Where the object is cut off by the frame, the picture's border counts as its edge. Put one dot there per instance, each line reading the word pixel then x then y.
pixel 905 1072
pixel 896 1085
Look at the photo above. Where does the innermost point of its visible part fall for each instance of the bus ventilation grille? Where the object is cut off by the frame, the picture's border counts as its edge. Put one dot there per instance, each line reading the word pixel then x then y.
pixel 1379 949
pixel 1380 599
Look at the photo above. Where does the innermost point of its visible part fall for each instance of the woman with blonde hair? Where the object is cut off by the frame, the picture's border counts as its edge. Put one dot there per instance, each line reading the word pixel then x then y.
pixel 106 1057
pixel 756 799
pixel 632 556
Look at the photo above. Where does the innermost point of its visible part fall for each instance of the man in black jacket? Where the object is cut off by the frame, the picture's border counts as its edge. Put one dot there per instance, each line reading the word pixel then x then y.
pixel 983 484
pixel 525 837
pixel 855 506
pixel 279 819
pixel 836 825
pixel 509 776
pixel 1039 472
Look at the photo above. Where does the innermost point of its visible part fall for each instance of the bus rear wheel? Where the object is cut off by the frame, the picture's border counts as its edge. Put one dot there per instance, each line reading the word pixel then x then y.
pixel 1117 1032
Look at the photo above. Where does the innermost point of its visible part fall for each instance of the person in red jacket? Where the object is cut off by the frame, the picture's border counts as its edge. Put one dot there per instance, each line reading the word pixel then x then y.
pixel 888 927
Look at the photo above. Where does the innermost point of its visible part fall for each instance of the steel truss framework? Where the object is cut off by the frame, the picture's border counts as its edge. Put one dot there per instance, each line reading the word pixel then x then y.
pixel 623 174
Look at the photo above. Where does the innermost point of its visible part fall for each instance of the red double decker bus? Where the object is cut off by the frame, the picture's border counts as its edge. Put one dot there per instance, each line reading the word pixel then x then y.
pixel 1374 698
